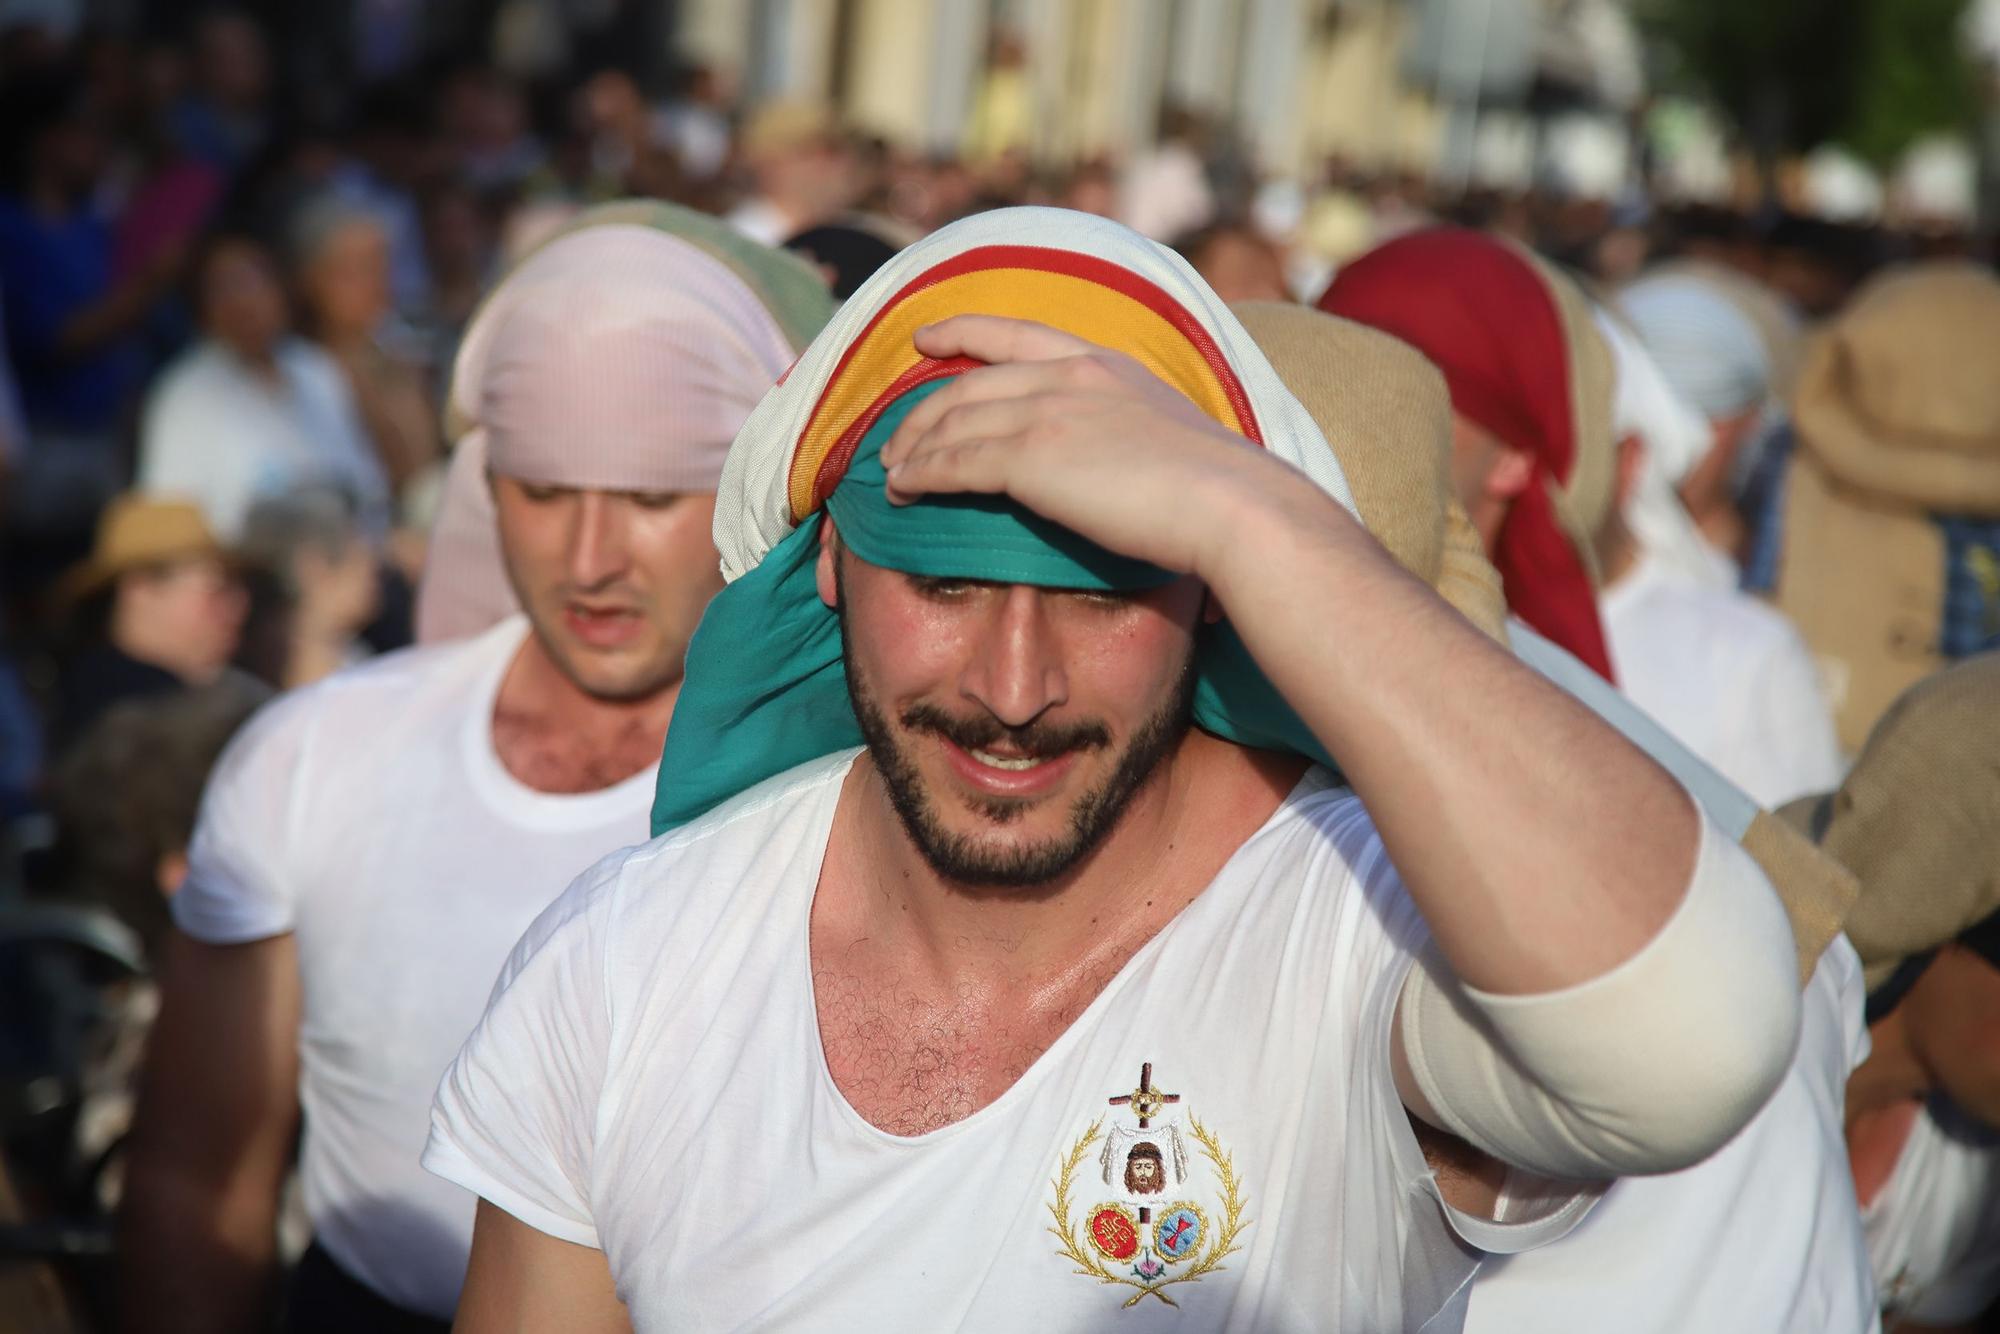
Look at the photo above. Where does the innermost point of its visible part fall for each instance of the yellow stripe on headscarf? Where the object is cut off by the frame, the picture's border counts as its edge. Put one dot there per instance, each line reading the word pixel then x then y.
pixel 1088 309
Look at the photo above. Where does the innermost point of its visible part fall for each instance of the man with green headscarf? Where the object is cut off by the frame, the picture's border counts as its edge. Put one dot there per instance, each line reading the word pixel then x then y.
pixel 1010 937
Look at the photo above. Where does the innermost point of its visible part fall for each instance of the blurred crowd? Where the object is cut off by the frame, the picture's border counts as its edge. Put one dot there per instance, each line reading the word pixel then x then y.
pixel 232 316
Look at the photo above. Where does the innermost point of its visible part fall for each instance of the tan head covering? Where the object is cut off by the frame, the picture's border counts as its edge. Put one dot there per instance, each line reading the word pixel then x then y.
pixel 1897 409
pixel 1918 819
pixel 1387 414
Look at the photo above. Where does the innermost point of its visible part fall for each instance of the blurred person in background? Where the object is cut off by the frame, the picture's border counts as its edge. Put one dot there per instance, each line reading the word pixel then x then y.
pixel 1717 360
pixel 1817 265
pixel 1915 821
pixel 846 253
pixel 1887 533
pixel 169 197
pixel 71 324
pixel 802 172
pixel 387 157
pixel 123 804
pixel 158 607
pixel 1724 673
pixel 1237 261
pixel 693 125
pixel 459 251
pixel 1531 382
pixel 252 410
pixel 1091 186
pixel 125 796
pixel 599 387
pixel 1164 190
pixel 309 542
pixel 614 124
pixel 484 124
pixel 225 118
pixel 340 269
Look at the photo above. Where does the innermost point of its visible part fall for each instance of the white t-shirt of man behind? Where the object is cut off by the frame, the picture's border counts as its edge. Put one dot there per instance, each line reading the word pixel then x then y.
pixel 1762 1237
pixel 649 1080
pixel 1934 1227
pixel 1726 675
pixel 370 816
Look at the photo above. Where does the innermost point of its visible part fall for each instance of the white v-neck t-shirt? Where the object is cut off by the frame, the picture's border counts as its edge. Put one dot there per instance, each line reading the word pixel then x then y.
pixel 649 1080
pixel 369 816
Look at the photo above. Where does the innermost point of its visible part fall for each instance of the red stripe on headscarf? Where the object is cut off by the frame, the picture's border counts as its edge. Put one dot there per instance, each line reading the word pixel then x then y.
pixel 1486 318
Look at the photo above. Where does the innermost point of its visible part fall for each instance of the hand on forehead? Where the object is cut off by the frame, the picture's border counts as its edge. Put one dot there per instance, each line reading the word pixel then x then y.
pixel 1084 436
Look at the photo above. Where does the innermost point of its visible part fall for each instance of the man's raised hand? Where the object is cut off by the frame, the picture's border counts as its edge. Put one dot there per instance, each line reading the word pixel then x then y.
pixel 1091 439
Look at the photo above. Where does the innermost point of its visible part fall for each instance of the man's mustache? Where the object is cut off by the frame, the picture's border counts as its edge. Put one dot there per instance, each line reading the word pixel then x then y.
pixel 983 731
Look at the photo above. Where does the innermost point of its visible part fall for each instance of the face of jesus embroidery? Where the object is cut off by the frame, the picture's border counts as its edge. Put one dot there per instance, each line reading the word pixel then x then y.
pixel 1154 1231
pixel 1143 1172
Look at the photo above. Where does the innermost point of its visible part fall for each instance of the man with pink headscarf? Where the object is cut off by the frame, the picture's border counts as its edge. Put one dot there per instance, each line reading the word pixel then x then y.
pixel 371 847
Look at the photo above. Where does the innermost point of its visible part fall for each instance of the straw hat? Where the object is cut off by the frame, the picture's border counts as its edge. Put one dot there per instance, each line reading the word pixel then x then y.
pixel 1898 416
pixel 1898 398
pixel 137 531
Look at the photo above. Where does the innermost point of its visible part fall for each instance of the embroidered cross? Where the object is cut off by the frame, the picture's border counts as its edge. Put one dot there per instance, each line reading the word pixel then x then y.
pixel 1145 1102
pixel 1181 1225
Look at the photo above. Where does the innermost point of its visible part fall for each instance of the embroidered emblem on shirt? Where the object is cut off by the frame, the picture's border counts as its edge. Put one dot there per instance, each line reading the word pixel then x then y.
pixel 1149 1236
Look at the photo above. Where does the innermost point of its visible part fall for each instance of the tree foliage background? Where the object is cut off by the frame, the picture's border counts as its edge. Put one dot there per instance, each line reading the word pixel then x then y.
pixel 1874 75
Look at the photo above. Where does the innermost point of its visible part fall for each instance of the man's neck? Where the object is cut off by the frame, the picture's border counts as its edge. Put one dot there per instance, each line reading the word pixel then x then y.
pixel 556 737
pixel 1203 803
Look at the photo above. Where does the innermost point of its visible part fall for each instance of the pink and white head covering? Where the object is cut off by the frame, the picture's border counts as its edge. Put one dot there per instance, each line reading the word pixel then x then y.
pixel 621 355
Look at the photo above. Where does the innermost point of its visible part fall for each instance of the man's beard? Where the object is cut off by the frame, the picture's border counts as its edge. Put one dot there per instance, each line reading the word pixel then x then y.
pixel 961 858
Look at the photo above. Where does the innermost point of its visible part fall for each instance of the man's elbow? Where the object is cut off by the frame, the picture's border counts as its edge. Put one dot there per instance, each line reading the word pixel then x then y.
pixel 1697 1099
pixel 1646 1069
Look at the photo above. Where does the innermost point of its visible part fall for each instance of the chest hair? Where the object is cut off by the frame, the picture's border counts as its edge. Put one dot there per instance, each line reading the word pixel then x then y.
pixel 557 760
pixel 912 1060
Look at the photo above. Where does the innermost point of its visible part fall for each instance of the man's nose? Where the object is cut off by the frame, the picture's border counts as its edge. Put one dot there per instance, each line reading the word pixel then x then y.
pixel 1017 670
pixel 598 548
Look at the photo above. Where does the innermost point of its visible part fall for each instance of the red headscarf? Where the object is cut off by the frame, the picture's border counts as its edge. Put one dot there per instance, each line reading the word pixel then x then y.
pixel 1489 319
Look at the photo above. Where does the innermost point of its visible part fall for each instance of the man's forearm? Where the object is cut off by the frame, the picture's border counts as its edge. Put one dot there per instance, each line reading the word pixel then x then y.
pixel 192 1260
pixel 1543 848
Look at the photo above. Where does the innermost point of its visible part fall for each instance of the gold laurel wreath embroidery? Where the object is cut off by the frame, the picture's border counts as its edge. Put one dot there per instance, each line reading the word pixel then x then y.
pixel 1211 1258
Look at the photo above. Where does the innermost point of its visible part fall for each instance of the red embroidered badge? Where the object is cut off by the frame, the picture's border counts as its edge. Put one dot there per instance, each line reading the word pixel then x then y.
pixel 1113 1232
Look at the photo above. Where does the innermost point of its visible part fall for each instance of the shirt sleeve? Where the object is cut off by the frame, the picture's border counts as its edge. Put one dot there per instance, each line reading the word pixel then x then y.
pixel 242 882
pixel 515 1117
